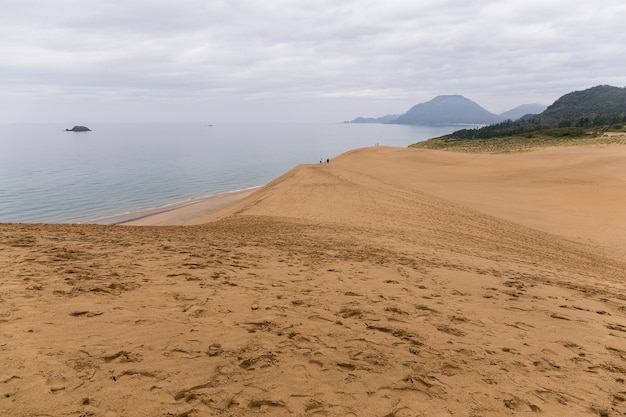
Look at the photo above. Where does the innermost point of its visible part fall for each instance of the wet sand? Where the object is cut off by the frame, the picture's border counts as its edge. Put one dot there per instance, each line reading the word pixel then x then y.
pixel 176 214
pixel 393 282
pixel 188 213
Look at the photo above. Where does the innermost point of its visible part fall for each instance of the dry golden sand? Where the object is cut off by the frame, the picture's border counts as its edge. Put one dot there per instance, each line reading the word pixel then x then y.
pixel 394 282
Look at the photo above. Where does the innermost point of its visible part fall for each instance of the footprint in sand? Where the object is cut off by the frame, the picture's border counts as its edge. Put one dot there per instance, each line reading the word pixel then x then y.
pixel 300 372
pixel 214 349
pixel 86 313
pixel 56 383
pixel 123 356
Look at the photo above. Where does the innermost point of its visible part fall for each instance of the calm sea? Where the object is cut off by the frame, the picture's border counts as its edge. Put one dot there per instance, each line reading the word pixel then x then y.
pixel 52 176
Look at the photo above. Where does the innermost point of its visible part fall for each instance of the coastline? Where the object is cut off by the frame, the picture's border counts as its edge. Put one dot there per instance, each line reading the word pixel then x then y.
pixel 393 281
pixel 51 176
pixel 180 213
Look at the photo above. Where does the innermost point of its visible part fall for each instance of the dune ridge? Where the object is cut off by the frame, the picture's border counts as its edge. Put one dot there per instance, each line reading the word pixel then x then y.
pixel 392 282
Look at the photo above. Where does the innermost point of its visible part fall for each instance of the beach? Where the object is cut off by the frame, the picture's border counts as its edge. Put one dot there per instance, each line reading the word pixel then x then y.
pixel 390 282
pixel 176 214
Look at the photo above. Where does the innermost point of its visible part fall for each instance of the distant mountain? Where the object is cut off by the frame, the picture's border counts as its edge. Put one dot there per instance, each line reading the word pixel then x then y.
pixel 450 110
pixel 446 110
pixel 599 106
pixel 521 111
pixel 384 119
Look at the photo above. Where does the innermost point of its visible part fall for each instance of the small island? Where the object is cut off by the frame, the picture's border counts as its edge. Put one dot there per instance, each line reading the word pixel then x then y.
pixel 78 129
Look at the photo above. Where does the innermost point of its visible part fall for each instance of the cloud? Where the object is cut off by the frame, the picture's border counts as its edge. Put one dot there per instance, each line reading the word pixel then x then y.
pixel 394 53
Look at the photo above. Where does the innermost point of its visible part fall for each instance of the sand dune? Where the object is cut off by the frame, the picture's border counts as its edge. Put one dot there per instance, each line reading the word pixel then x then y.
pixel 393 282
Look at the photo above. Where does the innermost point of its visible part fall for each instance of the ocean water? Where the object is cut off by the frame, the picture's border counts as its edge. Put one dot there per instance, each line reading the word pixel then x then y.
pixel 48 175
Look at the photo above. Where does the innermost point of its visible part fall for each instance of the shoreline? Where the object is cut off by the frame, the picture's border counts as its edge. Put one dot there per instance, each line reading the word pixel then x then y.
pixel 179 213
pixel 392 281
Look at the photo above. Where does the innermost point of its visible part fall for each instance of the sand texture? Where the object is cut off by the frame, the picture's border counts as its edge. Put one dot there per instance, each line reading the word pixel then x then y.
pixel 393 282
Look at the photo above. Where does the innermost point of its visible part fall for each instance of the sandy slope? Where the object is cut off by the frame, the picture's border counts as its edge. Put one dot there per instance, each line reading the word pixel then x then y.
pixel 394 282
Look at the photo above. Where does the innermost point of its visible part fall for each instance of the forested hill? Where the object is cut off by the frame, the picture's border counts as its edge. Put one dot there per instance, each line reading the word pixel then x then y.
pixel 599 106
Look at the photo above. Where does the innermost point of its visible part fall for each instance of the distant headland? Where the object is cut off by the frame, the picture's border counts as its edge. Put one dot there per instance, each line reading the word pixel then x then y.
pixel 78 129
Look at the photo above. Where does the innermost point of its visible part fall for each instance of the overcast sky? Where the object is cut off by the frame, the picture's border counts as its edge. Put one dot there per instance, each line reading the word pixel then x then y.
pixel 215 61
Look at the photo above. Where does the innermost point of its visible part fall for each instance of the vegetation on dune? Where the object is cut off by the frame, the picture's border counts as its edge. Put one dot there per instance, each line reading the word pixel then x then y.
pixel 577 118
pixel 524 143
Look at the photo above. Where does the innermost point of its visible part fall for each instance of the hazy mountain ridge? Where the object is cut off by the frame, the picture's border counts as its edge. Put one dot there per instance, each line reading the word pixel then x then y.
pixel 522 110
pixel 383 119
pixel 450 110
